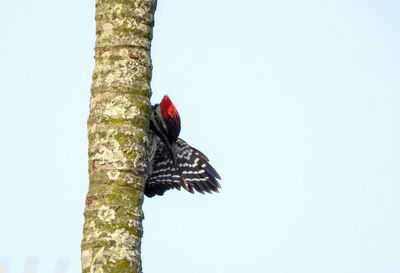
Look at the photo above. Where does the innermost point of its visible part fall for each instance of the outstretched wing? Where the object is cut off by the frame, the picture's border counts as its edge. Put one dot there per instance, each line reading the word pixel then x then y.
pixel 193 171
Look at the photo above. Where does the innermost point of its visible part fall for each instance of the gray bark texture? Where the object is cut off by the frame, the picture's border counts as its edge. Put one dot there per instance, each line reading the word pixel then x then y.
pixel 117 130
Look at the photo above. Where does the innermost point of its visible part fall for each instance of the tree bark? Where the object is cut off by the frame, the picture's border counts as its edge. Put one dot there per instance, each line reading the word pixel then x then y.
pixel 117 131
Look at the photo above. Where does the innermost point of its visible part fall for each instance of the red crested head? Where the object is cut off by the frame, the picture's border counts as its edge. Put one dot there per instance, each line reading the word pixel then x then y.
pixel 171 118
pixel 168 109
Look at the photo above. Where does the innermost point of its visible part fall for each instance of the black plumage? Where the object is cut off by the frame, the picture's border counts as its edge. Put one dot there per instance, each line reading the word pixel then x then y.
pixel 192 165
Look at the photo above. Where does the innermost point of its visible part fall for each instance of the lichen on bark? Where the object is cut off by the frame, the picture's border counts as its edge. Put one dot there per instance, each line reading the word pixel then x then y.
pixel 117 131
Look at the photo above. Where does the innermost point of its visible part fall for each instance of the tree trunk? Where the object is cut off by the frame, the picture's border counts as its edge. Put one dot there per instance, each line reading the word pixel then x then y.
pixel 117 131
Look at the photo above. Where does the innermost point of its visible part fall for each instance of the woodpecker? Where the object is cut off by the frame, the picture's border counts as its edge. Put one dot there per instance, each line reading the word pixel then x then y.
pixel 173 162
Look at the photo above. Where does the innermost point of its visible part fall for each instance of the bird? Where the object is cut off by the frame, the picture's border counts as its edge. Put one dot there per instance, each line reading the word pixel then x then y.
pixel 173 162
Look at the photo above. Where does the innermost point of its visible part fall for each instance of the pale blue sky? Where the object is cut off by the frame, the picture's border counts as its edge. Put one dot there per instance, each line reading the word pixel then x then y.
pixel 296 103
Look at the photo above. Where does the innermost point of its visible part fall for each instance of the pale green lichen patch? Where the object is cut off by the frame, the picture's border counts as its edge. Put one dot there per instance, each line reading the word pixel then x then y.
pixel 107 151
pixel 118 148
pixel 120 113
pixel 123 52
pixel 124 245
pixel 106 214
pixel 111 72
pixel 98 261
pixel 129 178
pixel 117 9
pixel 107 29
pixel 86 258
pixel 121 107
pixel 113 175
pixel 94 231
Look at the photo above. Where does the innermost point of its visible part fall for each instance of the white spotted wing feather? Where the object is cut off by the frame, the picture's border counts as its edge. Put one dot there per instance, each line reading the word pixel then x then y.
pixel 193 171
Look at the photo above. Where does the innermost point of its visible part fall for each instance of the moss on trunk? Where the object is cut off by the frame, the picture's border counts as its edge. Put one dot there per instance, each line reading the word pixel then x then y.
pixel 117 131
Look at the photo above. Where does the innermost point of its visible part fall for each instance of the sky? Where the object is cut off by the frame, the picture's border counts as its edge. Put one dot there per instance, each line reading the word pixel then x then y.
pixel 296 103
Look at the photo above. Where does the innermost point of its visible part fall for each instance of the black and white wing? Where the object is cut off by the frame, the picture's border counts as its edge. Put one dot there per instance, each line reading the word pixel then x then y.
pixel 192 171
